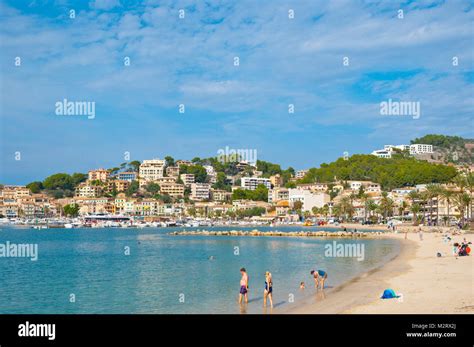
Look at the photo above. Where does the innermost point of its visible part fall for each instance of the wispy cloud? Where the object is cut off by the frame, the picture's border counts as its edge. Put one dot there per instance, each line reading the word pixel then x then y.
pixel 191 60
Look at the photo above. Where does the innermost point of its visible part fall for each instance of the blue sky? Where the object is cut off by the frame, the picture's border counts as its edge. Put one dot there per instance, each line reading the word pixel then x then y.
pixel 190 61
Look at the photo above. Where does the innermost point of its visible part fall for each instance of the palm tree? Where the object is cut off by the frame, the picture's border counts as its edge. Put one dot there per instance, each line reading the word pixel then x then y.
pixel 386 205
pixel 364 199
pixel 415 208
pixel 461 182
pixel 414 195
pixel 462 201
pixel 371 206
pixel 401 208
pixel 345 207
pixel 447 195
pixel 434 191
pixel 470 186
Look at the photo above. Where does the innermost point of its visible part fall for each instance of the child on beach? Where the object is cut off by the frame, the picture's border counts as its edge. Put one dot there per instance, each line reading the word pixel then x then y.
pixel 302 285
pixel 319 275
pixel 267 292
pixel 244 286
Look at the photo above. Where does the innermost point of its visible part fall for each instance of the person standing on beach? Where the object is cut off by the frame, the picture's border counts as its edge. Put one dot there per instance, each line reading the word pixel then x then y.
pixel 420 234
pixel 318 276
pixel 267 293
pixel 244 286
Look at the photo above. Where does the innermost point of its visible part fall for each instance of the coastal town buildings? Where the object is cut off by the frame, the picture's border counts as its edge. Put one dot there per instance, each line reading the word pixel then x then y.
pixel 307 198
pixel 172 189
pixel 220 195
pixel 200 191
pixel 129 176
pixel 251 183
pixel 276 180
pixel 300 174
pixel 187 179
pixel 172 171
pixel 116 186
pixel 150 170
pixel 87 190
pixel 211 173
pixel 98 175
pixel 277 194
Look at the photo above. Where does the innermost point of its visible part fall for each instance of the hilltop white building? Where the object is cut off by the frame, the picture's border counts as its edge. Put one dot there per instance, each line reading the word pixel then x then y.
pixel 388 150
pixel 421 149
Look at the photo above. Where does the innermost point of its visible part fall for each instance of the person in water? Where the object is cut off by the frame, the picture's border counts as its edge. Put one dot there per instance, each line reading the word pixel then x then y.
pixel 267 292
pixel 302 285
pixel 319 276
pixel 244 286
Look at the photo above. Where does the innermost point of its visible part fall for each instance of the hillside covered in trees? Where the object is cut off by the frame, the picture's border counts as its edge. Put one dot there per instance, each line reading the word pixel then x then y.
pixel 452 149
pixel 391 173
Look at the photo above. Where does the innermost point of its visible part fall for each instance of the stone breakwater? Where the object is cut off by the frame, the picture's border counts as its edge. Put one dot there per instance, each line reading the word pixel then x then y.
pixel 255 232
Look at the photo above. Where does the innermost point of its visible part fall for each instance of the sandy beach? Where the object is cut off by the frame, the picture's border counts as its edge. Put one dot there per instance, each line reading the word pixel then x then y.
pixel 427 283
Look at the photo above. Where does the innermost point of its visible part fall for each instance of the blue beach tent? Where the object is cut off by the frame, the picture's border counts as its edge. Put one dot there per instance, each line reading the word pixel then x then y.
pixel 389 294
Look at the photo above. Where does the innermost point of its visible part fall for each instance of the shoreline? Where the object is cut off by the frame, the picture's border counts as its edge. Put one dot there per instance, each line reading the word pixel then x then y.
pixel 428 284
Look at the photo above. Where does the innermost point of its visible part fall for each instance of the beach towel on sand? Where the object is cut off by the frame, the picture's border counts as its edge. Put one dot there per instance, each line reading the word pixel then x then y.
pixel 389 294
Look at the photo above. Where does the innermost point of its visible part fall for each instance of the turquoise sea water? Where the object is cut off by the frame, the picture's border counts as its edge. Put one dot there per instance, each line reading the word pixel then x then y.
pixel 163 270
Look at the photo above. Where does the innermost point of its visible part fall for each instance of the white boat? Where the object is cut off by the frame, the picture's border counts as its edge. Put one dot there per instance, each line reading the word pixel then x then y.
pixel 68 226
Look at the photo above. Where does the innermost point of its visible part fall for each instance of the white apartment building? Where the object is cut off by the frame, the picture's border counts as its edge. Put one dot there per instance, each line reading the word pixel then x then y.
pixel 382 153
pixel 220 195
pixel 277 194
pixel 308 198
pixel 251 183
pixel 172 189
pixel 300 174
pixel 88 191
pixel 150 170
pixel 403 191
pixel 314 187
pixel 388 150
pixel 400 147
pixel 421 149
pixel 211 173
pixel 187 179
pixel 200 191
pixel 369 187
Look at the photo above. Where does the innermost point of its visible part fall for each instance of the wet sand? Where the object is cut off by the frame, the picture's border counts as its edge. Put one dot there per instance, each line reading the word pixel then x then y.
pixel 428 284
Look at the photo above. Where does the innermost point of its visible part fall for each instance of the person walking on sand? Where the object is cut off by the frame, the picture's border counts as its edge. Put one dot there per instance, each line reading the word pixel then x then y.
pixel 420 234
pixel 319 276
pixel 244 286
pixel 267 292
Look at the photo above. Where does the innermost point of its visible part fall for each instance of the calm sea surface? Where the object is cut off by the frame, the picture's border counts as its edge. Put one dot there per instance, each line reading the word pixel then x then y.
pixel 165 273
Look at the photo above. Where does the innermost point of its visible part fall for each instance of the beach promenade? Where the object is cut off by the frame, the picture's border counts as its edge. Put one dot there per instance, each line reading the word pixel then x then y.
pixel 427 283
